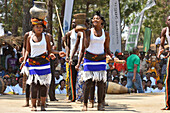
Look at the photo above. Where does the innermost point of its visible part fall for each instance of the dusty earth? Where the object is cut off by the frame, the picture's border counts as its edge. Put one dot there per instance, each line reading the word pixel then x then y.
pixel 123 103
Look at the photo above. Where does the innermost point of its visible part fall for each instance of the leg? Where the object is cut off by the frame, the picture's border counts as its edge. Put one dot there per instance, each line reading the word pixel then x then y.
pixel 86 93
pixel 34 88
pixel 92 93
pixel 43 92
pixel 73 77
pixel 167 87
pixel 27 95
pixel 100 87
pixel 52 85
pixel 129 80
pixel 138 83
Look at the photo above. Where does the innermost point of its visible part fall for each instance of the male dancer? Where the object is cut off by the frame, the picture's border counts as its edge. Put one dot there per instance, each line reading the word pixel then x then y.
pixel 70 39
pixel 166 34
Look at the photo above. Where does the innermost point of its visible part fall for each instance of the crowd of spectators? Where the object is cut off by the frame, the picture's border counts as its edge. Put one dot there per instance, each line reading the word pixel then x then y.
pixel 152 70
pixel 10 72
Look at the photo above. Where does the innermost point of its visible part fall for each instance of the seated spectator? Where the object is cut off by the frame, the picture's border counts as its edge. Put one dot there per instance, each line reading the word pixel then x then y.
pixel 18 88
pixel 148 77
pixel 115 73
pixel 109 65
pixel 160 87
pixel 2 71
pixel 109 74
pixel 61 89
pixel 144 85
pixel 13 81
pixel 63 73
pixel 116 80
pixel 58 77
pixel 9 88
pixel 124 81
pixel 149 89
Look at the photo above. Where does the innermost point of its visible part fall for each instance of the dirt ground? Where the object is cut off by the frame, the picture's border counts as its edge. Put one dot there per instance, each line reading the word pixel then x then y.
pixel 123 103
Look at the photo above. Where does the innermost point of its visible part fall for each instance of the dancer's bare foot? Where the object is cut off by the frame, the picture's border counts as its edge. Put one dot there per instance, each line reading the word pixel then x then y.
pixel 84 107
pixel 43 108
pixel 27 105
pixel 34 109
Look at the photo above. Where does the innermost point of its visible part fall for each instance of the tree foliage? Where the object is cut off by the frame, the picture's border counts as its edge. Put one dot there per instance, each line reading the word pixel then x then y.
pixel 11 15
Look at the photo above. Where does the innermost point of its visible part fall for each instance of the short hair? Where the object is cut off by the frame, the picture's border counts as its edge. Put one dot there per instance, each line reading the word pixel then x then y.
pixel 135 49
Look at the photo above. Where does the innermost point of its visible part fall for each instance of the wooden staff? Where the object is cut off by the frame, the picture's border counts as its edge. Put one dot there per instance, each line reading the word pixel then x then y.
pixel 67 65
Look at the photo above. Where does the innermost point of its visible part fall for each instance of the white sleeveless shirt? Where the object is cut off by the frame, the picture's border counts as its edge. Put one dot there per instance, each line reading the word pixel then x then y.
pixel 168 37
pixel 96 45
pixel 73 39
pixel 38 48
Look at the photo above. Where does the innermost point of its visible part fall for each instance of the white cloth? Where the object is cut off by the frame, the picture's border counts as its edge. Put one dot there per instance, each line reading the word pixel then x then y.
pixel 18 89
pixel 156 90
pixel 73 39
pixel 59 91
pixel 58 81
pixel 168 37
pixel 149 90
pixel 8 89
pixel 95 75
pixel 152 80
pixel 38 48
pixel 96 45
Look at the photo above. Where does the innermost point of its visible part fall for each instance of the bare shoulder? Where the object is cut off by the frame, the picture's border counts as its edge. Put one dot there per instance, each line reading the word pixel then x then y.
pixel 163 32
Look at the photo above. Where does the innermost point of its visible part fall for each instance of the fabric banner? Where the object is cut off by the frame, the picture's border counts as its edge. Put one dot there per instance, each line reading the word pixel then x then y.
pixel 149 4
pixel 1 30
pixel 134 31
pixel 132 39
pixel 67 15
pixel 147 39
pixel 114 27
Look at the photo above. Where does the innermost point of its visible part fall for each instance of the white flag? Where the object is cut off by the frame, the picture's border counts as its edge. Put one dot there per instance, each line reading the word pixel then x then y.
pixel 67 15
pixel 114 27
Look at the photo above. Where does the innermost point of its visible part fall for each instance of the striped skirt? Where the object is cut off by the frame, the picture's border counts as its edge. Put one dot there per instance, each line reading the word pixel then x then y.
pixel 95 70
pixel 35 73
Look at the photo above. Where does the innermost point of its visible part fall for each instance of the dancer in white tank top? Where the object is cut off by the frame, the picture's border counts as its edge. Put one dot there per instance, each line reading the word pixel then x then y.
pixel 166 34
pixel 96 42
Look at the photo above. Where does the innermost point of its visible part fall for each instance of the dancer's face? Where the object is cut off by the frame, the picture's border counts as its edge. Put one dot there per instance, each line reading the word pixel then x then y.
pixel 38 29
pixel 74 23
pixel 168 21
pixel 96 21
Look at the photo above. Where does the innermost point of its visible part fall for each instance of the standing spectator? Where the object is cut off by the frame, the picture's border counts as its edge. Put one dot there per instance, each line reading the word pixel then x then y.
pixel 143 64
pixel 141 74
pixel 12 62
pixel 133 65
pixel 120 66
